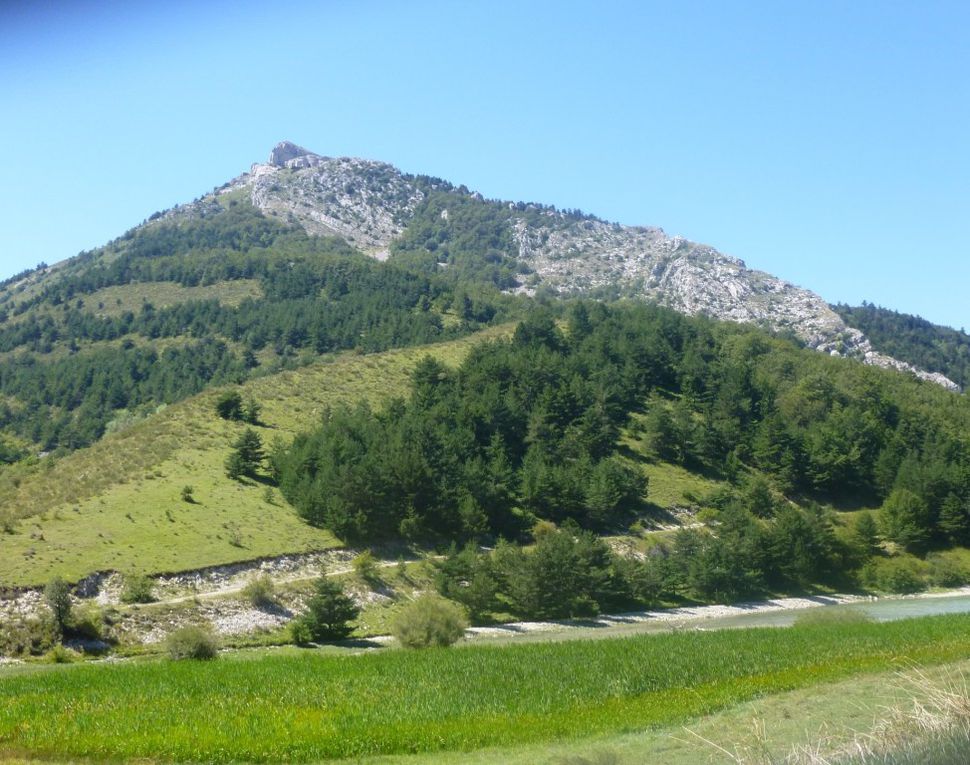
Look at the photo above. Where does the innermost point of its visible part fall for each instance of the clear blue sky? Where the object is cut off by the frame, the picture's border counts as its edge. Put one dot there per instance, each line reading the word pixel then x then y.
pixel 825 142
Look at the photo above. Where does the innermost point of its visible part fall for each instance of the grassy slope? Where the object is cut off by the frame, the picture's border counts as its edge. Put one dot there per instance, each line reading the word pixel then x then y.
pixel 833 714
pixel 116 505
pixel 300 706
pixel 113 301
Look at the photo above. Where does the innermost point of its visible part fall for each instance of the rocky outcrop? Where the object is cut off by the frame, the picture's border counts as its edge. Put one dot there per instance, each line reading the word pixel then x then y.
pixel 285 152
pixel 694 279
pixel 370 203
pixel 367 203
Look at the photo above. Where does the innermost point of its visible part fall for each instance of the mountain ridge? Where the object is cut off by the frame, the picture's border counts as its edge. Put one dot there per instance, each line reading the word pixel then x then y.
pixel 573 259
pixel 373 206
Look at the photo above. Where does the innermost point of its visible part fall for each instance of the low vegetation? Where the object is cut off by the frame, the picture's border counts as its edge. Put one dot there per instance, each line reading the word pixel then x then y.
pixel 191 643
pixel 429 621
pixel 307 707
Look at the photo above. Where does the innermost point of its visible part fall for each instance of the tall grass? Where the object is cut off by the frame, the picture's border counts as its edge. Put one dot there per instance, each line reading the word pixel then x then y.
pixel 305 707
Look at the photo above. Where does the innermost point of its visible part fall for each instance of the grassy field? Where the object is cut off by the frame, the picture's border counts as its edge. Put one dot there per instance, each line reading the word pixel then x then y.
pixel 117 505
pixel 823 718
pixel 304 707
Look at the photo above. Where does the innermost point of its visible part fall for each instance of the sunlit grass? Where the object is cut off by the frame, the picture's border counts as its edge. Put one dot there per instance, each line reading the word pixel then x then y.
pixel 306 707
pixel 117 504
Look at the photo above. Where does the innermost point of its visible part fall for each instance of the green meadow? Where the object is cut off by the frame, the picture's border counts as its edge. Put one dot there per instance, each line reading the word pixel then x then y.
pixel 117 504
pixel 303 706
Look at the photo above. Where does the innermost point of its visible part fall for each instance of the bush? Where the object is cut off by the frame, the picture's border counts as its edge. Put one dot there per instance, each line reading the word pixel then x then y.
pixel 191 643
pixel 27 637
pixel 365 566
pixel 899 575
pixel 88 624
pixel 188 494
pixel 946 570
pixel 60 655
pixel 329 615
pixel 429 621
pixel 300 632
pixel 260 591
pixel 138 589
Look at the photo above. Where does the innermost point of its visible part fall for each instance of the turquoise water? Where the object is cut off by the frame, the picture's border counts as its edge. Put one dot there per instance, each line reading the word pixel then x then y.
pixel 883 610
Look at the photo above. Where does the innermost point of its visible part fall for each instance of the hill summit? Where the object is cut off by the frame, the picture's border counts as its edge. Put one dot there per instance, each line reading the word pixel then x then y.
pixel 372 204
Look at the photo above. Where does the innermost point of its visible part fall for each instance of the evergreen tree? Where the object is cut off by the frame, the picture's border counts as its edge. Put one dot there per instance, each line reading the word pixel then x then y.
pixel 330 612
pixel 955 519
pixel 247 456
pixel 229 406
pixel 906 520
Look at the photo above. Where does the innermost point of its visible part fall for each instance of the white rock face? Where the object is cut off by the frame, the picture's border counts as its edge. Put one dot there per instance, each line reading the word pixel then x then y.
pixel 370 203
pixel 694 279
pixel 367 203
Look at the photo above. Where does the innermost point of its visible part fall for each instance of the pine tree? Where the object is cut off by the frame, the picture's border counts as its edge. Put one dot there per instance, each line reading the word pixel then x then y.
pixel 247 457
pixel 954 519
pixel 330 612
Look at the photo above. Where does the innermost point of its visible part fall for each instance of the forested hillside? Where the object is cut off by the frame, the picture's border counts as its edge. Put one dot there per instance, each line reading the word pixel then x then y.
pixel 913 339
pixel 528 430
pixel 87 347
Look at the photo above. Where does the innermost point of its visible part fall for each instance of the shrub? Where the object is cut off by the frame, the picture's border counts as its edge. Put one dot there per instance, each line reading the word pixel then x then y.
pixel 300 632
pixel 365 566
pixel 138 589
pixel 27 637
pixel 260 591
pixel 946 571
pixel 329 615
pixel 188 494
pixel 899 575
pixel 60 655
pixel 429 621
pixel 191 643
pixel 88 624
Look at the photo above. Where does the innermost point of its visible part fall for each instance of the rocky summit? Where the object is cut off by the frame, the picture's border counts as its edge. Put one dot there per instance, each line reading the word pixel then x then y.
pixel 370 204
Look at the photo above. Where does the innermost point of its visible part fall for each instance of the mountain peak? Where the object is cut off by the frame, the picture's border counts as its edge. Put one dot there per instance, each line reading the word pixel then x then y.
pixel 284 151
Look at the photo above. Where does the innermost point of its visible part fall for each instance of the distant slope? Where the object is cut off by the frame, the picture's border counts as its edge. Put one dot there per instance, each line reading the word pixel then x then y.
pixel 912 339
pixel 117 505
pixel 188 301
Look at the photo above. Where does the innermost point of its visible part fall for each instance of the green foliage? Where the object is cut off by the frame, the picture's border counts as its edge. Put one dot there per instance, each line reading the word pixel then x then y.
pixel 865 535
pixel 899 575
pixel 330 614
pixel 187 494
pixel 568 573
pixel 260 591
pixel 947 570
pixel 138 589
pixel 365 566
pixel 247 456
pixel 402 702
pixel 429 621
pixel 59 654
pixel 906 520
pixel 57 598
pixel 318 295
pixel 913 339
pixel 191 643
pixel 471 236
pixel 32 636
pixel 229 406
